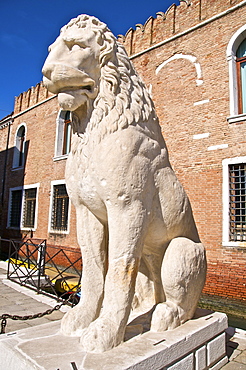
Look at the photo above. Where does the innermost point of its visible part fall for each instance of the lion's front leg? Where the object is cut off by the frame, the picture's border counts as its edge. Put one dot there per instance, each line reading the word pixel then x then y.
pixel 91 237
pixel 126 232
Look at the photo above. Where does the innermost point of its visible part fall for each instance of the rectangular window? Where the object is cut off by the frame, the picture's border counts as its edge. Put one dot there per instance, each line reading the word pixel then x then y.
pixel 23 207
pixel 234 202
pixel 29 208
pixel 15 208
pixel 237 204
pixel 60 203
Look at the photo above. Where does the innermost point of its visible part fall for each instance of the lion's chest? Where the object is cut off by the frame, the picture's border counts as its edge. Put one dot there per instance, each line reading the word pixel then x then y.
pixel 82 185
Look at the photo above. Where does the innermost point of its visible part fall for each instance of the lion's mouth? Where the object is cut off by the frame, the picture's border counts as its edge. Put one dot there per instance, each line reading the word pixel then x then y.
pixel 63 87
pixel 75 88
pixel 89 90
pixel 60 78
pixel 87 87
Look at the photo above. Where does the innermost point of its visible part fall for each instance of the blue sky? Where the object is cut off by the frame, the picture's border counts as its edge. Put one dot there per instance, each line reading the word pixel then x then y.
pixel 28 27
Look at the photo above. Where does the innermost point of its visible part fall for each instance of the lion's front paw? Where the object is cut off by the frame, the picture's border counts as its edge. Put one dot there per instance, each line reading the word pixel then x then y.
pixel 75 320
pixel 101 335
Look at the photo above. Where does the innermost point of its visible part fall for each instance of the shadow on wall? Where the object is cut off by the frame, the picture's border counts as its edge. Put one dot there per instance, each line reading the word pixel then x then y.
pixel 12 172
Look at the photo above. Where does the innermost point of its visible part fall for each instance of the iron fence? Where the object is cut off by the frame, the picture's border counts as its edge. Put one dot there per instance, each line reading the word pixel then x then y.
pixel 50 270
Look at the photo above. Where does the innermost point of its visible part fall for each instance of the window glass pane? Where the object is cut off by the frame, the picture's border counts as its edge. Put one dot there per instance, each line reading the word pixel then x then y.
pixel 29 207
pixel 21 138
pixel 241 62
pixel 67 115
pixel 67 137
pixel 19 150
pixel 67 132
pixel 60 208
pixel 243 85
pixel 15 210
pixel 241 51
pixel 237 202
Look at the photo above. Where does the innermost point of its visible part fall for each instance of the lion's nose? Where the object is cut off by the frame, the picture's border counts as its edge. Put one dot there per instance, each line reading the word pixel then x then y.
pixel 47 70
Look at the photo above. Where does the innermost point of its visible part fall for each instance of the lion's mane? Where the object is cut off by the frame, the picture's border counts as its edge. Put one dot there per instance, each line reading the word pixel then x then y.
pixel 122 99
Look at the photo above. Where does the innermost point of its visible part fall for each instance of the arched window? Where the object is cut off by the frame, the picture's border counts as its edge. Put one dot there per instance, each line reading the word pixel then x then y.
pixel 67 130
pixel 236 56
pixel 63 134
pixel 19 151
pixel 241 74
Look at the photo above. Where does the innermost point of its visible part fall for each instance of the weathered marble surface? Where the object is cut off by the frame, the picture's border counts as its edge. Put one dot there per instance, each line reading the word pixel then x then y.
pixel 135 226
pixel 197 344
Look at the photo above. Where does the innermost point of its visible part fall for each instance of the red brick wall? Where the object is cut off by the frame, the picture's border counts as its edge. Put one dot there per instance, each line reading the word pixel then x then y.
pixel 227 278
pixel 39 166
pixel 175 91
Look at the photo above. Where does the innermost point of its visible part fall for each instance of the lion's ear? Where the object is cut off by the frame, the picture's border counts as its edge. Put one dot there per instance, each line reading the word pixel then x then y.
pixel 100 39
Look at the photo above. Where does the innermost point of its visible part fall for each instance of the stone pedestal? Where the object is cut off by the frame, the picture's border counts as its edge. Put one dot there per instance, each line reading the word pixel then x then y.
pixel 198 344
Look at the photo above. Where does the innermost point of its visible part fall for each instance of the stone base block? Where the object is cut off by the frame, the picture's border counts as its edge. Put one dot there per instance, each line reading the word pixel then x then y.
pixel 199 344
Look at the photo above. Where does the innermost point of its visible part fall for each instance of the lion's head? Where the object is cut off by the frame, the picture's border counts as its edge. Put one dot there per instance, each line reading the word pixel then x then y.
pixel 90 70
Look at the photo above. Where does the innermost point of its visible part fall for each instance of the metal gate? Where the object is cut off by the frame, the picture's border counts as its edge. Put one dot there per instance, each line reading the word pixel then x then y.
pixel 49 270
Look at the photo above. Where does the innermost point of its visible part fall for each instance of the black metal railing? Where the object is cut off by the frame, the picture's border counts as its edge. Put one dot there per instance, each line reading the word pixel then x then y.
pixel 50 270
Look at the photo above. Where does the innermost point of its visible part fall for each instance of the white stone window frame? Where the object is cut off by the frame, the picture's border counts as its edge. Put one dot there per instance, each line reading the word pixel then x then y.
pixel 16 153
pixel 50 229
pixel 225 193
pixel 231 51
pixel 23 188
pixel 60 123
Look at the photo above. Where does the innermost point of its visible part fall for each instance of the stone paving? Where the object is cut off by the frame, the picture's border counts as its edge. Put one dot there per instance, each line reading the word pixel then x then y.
pixel 18 300
pixel 236 349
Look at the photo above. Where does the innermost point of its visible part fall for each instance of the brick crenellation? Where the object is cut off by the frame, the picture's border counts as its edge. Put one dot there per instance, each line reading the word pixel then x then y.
pixel 31 97
pixel 176 19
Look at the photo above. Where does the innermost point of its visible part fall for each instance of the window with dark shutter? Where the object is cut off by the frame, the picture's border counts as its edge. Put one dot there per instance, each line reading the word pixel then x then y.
pixel 60 208
pixel 15 208
pixel 29 208
pixel 237 202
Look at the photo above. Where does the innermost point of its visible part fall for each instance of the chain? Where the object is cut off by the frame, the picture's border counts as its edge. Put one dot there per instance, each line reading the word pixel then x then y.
pixel 6 316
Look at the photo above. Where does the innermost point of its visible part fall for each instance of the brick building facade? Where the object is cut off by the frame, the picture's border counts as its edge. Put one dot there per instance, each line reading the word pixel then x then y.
pixel 192 59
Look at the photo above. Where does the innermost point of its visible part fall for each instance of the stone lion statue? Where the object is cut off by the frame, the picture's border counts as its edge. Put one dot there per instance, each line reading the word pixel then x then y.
pixel 135 227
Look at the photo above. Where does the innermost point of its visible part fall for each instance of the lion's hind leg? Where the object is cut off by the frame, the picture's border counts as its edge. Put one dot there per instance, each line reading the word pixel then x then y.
pixel 183 277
